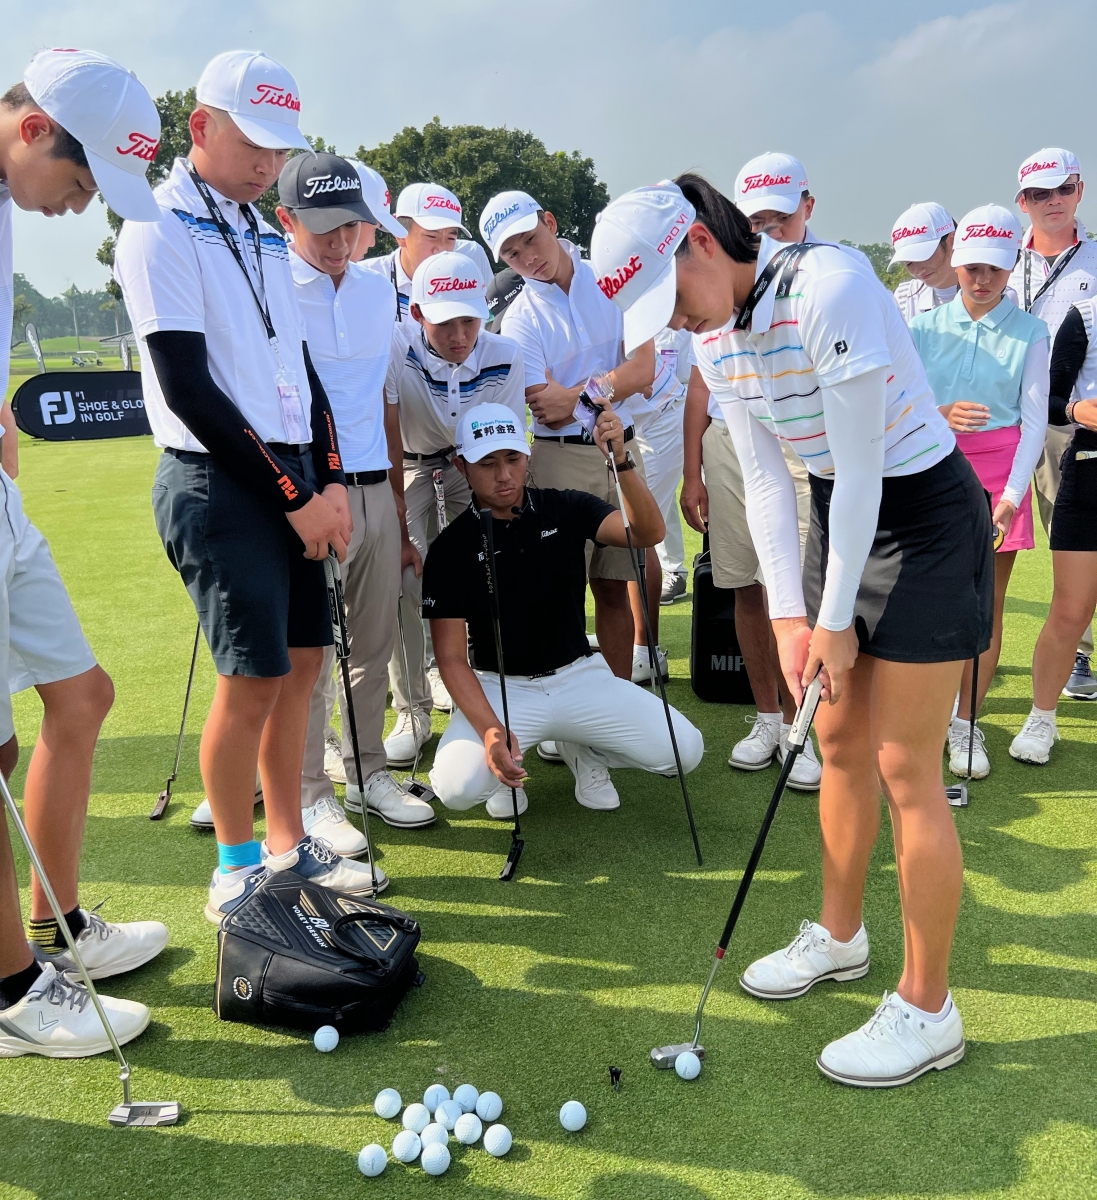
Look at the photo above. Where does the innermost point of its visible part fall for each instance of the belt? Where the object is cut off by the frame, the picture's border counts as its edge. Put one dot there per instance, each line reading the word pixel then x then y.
pixel 427 457
pixel 365 478
pixel 284 448
pixel 576 439
pixel 554 671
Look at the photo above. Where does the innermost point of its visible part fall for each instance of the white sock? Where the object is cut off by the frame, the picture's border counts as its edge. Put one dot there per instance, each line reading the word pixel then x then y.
pixel 278 861
pixel 770 718
pixel 836 942
pixel 1043 712
pixel 937 1017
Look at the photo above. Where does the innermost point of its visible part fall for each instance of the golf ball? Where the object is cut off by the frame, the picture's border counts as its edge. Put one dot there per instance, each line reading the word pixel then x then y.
pixel 416 1117
pixel 497 1140
pixel 326 1038
pixel 387 1103
pixel 435 1160
pixel 434 1095
pixel 688 1065
pixel 447 1113
pixel 434 1134
pixel 573 1116
pixel 489 1107
pixel 406 1146
pixel 468 1128
pixel 466 1095
pixel 372 1159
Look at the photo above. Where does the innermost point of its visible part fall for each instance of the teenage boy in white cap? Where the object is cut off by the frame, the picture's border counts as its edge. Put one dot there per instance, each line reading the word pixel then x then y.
pixel 77 124
pixel 441 365
pixel 557 687
pixel 569 331
pixel 349 317
pixel 1057 267
pixel 921 239
pixel 249 493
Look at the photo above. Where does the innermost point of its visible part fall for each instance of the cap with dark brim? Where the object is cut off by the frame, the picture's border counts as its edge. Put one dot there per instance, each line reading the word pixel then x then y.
pixel 324 220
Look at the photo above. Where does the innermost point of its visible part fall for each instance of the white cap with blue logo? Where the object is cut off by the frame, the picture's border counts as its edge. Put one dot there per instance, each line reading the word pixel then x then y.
pixel 487 428
pixel 505 215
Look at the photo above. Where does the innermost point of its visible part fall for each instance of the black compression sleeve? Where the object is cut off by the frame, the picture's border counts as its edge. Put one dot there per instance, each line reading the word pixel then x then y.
pixel 1067 356
pixel 325 440
pixel 182 369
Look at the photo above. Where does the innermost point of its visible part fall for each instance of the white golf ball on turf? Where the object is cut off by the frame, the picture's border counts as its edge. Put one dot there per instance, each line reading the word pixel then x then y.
pixel 387 1103
pixel 416 1117
pixel 326 1038
pixel 466 1095
pixel 434 1134
pixel 497 1140
pixel 435 1158
pixel 688 1065
pixel 372 1159
pixel 573 1116
pixel 406 1146
pixel 467 1129
pixel 447 1113
pixel 489 1107
pixel 434 1095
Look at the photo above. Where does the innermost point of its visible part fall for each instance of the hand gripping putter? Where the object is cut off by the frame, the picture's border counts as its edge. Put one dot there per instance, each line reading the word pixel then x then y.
pixel 664 1056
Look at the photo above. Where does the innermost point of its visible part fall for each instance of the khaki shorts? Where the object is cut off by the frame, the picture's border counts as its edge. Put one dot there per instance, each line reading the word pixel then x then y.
pixel 584 469
pixel 734 562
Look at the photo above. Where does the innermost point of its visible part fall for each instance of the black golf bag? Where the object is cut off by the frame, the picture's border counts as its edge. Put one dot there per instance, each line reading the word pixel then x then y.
pixel 716 669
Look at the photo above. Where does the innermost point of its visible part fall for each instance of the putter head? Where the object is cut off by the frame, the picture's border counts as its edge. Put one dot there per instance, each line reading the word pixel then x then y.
pixel 161 805
pixel 420 790
pixel 148 1112
pixel 956 795
pixel 664 1057
pixel 511 865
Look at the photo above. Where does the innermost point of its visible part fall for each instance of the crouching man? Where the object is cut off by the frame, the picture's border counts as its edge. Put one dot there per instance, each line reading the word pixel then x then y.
pixel 557 687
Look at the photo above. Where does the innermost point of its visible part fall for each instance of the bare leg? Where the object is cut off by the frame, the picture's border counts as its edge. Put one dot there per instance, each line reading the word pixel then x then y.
pixel 988 660
pixel 653 574
pixel 1072 605
pixel 15 955
pixel 759 647
pixel 613 623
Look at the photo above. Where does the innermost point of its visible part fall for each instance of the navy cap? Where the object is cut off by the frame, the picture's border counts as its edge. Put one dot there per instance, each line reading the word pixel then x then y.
pixel 324 191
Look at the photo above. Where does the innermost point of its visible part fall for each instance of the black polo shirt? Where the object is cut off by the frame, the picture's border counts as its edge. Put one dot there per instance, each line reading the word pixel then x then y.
pixel 540 565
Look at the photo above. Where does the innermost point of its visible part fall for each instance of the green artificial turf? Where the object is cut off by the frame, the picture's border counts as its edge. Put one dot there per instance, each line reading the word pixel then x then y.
pixel 594 955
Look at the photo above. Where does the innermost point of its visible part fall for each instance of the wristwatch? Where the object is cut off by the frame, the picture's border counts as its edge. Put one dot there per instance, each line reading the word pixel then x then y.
pixel 628 465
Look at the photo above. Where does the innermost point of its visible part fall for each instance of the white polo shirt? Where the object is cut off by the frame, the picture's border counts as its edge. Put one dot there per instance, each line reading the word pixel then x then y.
pixel 572 334
pixel 673 362
pixel 7 266
pixel 390 266
pixel 913 296
pixel 434 394
pixel 349 332
pixel 1076 281
pixel 178 274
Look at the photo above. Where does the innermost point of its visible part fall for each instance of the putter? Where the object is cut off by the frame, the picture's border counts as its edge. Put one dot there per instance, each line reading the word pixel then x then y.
pixel 129 1112
pixel 664 1056
pixel 411 785
pixel 517 845
pixel 438 478
pixel 164 799
pixel 336 607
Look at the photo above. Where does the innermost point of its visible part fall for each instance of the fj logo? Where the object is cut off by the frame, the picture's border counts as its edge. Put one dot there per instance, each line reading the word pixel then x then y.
pixel 840 347
pixel 58 408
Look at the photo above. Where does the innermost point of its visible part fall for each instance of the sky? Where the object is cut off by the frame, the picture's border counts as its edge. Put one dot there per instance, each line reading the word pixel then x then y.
pixel 886 104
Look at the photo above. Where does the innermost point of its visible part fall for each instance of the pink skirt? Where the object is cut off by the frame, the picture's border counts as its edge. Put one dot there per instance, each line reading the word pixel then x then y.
pixel 990 453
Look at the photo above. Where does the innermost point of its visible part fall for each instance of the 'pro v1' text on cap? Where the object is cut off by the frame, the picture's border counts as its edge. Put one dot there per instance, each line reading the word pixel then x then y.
pixel 1047 168
pixel 632 253
pixel 989 234
pixel 486 428
pixel 918 233
pixel 431 206
pixel 375 192
pixel 770 181
pixel 324 191
pixel 505 215
pixel 108 111
pixel 259 94
pixel 448 285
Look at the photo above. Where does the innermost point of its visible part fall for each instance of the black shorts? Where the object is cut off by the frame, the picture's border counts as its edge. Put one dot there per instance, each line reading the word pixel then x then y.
pixel 927 592
pixel 1074 520
pixel 255 592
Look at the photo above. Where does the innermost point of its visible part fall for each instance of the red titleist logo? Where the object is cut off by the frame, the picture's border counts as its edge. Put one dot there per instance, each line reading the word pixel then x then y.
pixel 680 223
pixel 986 231
pixel 752 182
pixel 388 199
pixel 904 232
pixel 448 283
pixel 1026 171
pixel 612 284
pixel 442 202
pixel 141 146
pixel 270 93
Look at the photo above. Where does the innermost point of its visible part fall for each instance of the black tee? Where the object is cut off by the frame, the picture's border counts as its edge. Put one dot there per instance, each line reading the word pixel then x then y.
pixel 540 566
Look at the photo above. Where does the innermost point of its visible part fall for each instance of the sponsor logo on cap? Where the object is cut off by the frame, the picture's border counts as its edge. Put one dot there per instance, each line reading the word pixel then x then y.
pixel 316 185
pixel 140 146
pixel 753 182
pixel 496 219
pixel 903 232
pixel 613 283
pixel 271 93
pixel 451 283
pixel 1039 166
pixel 680 223
pixel 442 202
pixel 492 428
pixel 986 231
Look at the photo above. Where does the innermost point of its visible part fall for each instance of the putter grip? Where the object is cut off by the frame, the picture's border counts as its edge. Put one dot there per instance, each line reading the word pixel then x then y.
pixel 798 735
pixel 334 583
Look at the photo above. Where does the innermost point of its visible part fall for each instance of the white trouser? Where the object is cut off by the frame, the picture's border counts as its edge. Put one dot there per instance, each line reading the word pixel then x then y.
pixel 585 703
pixel 659 439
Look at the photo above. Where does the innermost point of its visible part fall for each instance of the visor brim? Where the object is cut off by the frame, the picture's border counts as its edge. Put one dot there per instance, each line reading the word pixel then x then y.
pixel 271 135
pixel 651 312
pixel 439 312
pixel 775 202
pixel 129 195
pixel 522 225
pixel 324 220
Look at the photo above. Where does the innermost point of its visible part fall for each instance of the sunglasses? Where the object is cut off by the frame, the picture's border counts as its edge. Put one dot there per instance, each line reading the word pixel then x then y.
pixel 1039 195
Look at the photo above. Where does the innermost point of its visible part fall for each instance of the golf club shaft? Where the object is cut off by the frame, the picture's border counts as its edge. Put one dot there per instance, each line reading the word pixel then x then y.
pixel 974 701
pixel 186 702
pixel 407 682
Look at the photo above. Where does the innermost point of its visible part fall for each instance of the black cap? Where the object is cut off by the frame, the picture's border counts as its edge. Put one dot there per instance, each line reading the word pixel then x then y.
pixel 502 291
pixel 324 190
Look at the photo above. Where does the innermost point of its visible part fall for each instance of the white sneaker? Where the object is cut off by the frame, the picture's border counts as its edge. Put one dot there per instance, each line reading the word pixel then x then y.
pixel 1033 744
pixel 895 1045
pixel 500 805
pixel 811 956
pixel 548 752
pixel 409 735
pixel 57 1019
pixel 109 949
pixel 318 862
pixel 333 758
pixel 959 742
pixel 227 890
pixel 325 819
pixel 806 771
pixel 593 786
pixel 388 800
pixel 202 817
pixel 641 664
pixel 757 750
pixel 439 694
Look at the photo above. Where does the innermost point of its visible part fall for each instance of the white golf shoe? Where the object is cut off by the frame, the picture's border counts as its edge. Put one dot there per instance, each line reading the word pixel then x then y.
pixel 326 819
pixel 333 758
pixel 409 735
pixel 108 948
pixel 959 743
pixel 57 1019
pixel 806 771
pixel 500 804
pixel 439 693
pixel 641 664
pixel 318 862
pixel 547 752
pixel 759 748
pixel 388 800
pixel 228 889
pixel 812 956
pixel 894 1046
pixel 1033 744
pixel 202 817
pixel 593 786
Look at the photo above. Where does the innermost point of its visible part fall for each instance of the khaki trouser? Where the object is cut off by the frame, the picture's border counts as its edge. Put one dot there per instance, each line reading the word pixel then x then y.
pixel 371 584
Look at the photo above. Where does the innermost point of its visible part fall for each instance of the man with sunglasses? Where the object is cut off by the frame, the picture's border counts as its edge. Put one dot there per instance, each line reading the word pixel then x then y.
pixel 1057 267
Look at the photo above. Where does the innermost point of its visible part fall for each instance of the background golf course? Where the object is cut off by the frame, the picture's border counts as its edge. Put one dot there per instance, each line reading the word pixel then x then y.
pixel 593 956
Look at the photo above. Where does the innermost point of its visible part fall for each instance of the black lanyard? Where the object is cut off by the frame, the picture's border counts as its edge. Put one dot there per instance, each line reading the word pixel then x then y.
pixel 786 256
pixel 1064 258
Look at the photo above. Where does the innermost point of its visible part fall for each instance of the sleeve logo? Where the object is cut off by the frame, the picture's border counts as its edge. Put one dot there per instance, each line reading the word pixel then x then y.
pixel 840 347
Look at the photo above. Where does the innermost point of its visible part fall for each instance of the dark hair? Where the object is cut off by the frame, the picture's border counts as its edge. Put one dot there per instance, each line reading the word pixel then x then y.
pixel 722 219
pixel 64 144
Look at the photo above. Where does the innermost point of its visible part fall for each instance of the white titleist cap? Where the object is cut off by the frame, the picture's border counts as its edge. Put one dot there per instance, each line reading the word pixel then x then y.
pixel 430 205
pixel 259 94
pixel 632 253
pixel 375 192
pixel 110 114
pixel 505 215
pixel 918 232
pixel 990 234
pixel 770 181
pixel 487 428
pixel 448 285
pixel 1046 168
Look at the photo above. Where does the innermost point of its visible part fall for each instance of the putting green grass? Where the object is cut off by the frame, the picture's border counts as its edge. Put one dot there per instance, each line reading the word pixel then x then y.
pixel 594 955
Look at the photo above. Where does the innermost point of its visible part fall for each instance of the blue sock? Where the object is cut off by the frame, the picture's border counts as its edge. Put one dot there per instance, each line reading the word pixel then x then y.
pixel 235 858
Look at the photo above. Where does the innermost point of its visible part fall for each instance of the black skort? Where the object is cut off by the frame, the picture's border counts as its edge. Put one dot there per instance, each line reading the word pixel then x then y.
pixel 1074 520
pixel 927 591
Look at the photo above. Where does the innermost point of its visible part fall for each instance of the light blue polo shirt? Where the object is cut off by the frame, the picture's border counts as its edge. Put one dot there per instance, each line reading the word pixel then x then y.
pixel 982 361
